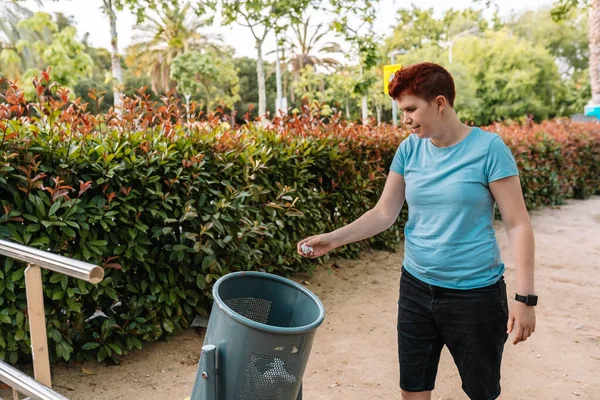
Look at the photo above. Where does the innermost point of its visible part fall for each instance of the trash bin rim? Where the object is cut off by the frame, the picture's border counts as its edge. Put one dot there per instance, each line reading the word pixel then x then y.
pixel 265 327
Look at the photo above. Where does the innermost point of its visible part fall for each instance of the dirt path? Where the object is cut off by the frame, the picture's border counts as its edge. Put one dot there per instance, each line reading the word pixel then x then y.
pixel 355 356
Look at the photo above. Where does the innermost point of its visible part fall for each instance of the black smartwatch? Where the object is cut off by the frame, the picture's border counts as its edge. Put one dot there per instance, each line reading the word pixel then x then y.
pixel 530 299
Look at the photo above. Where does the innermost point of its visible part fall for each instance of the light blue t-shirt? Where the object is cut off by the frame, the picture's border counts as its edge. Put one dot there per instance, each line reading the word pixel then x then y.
pixel 449 236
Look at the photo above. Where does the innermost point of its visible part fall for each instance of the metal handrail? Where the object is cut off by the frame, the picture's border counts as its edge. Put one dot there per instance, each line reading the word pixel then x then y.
pixel 64 265
pixel 40 387
pixel 26 384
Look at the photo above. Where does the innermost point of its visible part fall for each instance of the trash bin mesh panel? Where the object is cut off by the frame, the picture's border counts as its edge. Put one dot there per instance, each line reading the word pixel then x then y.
pixel 273 378
pixel 255 309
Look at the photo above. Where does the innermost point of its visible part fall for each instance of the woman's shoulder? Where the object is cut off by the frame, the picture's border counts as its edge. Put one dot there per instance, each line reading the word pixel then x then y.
pixel 485 136
pixel 410 142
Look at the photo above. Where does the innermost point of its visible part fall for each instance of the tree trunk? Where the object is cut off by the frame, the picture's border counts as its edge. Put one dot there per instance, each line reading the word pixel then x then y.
pixel 378 107
pixel 260 73
pixel 365 110
pixel 115 58
pixel 292 86
pixel 365 106
pixel 347 111
pixel 594 38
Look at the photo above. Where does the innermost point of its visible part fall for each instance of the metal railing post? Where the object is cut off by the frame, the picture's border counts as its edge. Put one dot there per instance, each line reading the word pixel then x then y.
pixel 40 387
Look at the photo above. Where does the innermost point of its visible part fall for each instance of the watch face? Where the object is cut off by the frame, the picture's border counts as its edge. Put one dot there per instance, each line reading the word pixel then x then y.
pixel 532 300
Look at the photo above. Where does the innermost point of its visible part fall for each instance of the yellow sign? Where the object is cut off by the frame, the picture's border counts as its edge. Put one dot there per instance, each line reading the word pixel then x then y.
pixel 388 75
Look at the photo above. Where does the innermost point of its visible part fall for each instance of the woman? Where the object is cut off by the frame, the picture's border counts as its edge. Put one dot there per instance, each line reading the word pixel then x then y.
pixel 452 290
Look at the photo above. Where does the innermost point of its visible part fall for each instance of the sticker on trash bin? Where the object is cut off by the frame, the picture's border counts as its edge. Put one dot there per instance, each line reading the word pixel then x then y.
pixel 294 349
pixel 279 348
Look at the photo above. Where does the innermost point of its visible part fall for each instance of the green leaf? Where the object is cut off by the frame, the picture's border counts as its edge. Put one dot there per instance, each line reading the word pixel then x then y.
pixel 168 325
pixel 5 319
pixel 56 335
pixel 53 208
pixel 18 274
pixel 42 241
pixel 91 346
pixel 20 319
pixel 58 295
pixel 68 231
pixel 99 243
pixel 33 228
pixel 115 348
pixel 102 354
pixel 19 335
pixel 201 281
pixel 86 253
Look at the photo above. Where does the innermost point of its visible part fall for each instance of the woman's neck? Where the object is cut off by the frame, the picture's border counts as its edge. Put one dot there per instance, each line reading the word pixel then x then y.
pixel 452 132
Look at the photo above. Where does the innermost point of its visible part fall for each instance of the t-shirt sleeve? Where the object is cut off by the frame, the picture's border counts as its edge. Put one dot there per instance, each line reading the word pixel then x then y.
pixel 398 161
pixel 500 161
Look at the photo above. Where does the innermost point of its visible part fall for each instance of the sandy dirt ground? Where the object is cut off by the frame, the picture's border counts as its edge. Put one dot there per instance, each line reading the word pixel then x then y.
pixel 355 354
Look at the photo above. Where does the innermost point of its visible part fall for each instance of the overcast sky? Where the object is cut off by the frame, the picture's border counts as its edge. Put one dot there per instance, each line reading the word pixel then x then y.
pixel 89 18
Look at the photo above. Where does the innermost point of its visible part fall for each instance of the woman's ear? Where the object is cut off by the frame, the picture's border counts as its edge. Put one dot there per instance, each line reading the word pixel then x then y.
pixel 440 102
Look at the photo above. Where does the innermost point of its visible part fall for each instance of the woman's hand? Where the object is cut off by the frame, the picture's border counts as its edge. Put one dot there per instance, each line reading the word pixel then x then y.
pixel 316 246
pixel 522 321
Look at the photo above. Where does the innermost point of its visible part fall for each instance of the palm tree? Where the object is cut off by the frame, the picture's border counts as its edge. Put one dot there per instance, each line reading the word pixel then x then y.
pixel 165 35
pixel 305 48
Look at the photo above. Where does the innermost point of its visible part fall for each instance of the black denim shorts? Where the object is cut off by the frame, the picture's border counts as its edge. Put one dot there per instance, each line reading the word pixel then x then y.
pixel 471 323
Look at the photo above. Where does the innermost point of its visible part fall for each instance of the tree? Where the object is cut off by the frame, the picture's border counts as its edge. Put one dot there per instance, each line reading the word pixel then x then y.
pixel 262 17
pixel 206 77
pixel 566 39
pixel 380 100
pixel 55 49
pixel 109 7
pixel 305 48
pixel 362 38
pixel 12 61
pixel 418 27
pixel 498 77
pixel 310 86
pixel 560 11
pixel 168 32
pixel 341 84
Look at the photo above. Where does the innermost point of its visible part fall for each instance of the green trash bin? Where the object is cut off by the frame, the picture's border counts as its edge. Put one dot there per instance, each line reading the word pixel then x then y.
pixel 258 340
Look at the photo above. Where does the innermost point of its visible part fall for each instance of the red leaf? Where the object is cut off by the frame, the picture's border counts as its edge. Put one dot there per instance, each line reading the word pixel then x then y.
pixel 46 75
pixel 113 266
pixel 84 186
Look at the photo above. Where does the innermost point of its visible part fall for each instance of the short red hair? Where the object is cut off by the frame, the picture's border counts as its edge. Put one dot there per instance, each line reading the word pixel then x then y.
pixel 425 80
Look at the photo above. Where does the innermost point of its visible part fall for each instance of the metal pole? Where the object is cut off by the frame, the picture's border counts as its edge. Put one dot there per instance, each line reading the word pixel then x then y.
pixel 209 371
pixel 37 324
pixel 394 106
pixel 26 385
pixel 74 268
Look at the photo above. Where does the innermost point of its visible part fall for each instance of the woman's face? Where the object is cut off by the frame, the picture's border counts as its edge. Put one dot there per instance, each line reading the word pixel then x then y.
pixel 422 117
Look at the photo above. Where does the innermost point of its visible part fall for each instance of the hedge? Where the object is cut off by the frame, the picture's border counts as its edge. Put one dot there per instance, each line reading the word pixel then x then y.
pixel 168 205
